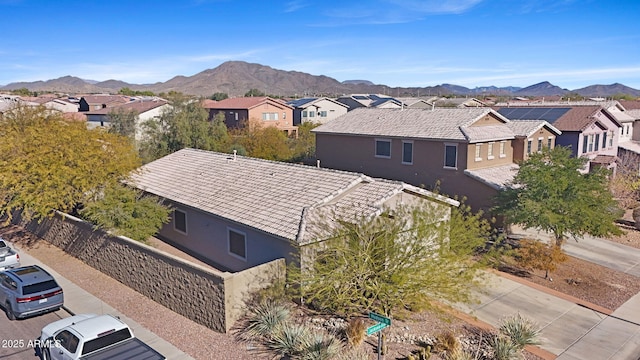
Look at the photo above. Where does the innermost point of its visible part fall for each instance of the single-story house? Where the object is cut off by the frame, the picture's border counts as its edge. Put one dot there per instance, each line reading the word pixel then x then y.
pixel 237 212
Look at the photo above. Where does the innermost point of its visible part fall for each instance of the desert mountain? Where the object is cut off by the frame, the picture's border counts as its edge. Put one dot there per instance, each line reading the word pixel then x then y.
pixel 237 77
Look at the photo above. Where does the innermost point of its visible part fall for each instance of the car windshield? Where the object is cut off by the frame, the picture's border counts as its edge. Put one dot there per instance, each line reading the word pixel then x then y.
pixel 38 287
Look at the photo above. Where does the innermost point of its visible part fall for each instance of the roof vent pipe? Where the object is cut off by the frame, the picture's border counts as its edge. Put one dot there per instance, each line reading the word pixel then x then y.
pixel 235 152
pixel 318 164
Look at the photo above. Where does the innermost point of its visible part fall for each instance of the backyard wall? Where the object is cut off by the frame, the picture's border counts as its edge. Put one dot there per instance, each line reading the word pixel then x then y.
pixel 212 298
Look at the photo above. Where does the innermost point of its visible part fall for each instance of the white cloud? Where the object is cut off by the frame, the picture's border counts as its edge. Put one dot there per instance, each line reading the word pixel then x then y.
pixel 295 5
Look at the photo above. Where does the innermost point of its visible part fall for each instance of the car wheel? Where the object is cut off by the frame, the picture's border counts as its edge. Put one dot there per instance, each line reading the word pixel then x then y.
pixel 9 311
pixel 46 355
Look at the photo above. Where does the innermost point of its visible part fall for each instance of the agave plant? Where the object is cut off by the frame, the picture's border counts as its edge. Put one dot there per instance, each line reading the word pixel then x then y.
pixel 504 348
pixel 321 347
pixel 289 340
pixel 522 331
pixel 264 320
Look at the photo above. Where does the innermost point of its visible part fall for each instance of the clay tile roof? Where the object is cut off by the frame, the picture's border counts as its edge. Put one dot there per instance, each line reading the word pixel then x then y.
pixel 208 103
pixel 630 104
pixel 138 107
pixel 603 159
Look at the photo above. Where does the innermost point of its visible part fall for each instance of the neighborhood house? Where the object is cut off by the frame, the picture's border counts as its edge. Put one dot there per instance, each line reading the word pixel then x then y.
pixel 236 212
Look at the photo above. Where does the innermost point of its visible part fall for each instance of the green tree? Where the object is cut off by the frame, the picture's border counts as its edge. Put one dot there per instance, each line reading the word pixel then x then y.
pixel 123 122
pixel 128 92
pixel 184 124
pixel 303 147
pixel 403 259
pixel 219 96
pixel 264 142
pixel 254 93
pixel 126 211
pixel 48 163
pixel 22 92
pixel 551 194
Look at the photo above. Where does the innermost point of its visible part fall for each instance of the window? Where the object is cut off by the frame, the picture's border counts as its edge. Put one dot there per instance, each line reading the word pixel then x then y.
pixel 611 139
pixel 596 144
pixel 284 115
pixel 269 116
pixel 549 142
pixel 490 151
pixel 304 114
pixel 584 144
pixel 236 116
pixel 478 150
pixel 180 221
pixel 238 244
pixel 539 144
pixel 322 113
pixel 450 156
pixel 312 113
pixel 529 146
pixel 407 152
pixel 502 150
pixel 590 143
pixel 68 341
pixel 383 148
pixel 604 140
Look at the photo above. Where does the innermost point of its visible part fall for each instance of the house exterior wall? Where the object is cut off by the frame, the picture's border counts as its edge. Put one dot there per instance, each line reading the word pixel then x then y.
pixel 332 110
pixel 593 130
pixel 486 161
pixel 207 236
pixel 357 153
pixel 285 116
pixel 539 141
pixel 233 118
pixel 154 113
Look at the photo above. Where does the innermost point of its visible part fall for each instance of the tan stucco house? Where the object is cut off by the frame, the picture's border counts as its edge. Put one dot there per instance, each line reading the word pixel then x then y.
pixel 242 112
pixel 237 212
pixel 459 151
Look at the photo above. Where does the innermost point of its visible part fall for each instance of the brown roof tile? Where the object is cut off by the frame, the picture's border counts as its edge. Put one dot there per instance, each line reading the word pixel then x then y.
pixel 244 103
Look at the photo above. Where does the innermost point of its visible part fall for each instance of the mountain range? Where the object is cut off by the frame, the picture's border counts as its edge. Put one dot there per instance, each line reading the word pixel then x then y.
pixel 237 77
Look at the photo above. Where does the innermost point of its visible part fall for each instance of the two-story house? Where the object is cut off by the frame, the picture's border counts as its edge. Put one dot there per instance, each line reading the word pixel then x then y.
pixel 243 112
pixel 142 109
pixel 97 102
pixel 459 151
pixel 589 130
pixel 316 110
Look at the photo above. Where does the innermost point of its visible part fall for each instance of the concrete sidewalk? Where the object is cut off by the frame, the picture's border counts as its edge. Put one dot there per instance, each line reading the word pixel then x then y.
pixel 596 250
pixel 79 301
pixel 571 329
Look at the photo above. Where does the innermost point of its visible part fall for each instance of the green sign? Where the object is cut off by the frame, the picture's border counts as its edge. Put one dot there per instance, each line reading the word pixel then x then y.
pixel 380 318
pixel 375 328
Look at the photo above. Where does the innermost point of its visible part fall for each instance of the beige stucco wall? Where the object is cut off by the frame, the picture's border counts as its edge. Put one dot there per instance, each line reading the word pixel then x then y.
pixel 485 161
pixel 211 298
pixel 285 116
pixel 357 153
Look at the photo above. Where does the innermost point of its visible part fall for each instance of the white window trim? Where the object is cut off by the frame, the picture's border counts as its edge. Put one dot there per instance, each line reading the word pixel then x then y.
pixel 490 151
pixel 503 149
pixel 229 230
pixel 478 151
pixel 185 222
pixel 375 148
pixel 407 142
pixel 445 156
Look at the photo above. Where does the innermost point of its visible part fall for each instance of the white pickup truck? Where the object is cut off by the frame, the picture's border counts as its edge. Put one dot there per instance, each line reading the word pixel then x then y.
pixel 92 337
pixel 9 258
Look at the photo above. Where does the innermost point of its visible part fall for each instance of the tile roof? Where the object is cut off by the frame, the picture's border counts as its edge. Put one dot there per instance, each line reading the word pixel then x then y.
pixel 440 124
pixel 603 159
pixel 138 107
pixel 497 177
pixel 244 103
pixel 105 99
pixel 273 197
pixel 630 104
pixel 634 113
pixel 208 103
pixel 630 145
pixel 528 127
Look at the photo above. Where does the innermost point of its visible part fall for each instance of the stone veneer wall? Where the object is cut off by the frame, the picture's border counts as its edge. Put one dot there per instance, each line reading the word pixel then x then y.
pixel 213 299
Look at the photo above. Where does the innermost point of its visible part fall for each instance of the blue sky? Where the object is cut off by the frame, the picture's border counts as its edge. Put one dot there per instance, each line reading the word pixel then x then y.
pixel 570 43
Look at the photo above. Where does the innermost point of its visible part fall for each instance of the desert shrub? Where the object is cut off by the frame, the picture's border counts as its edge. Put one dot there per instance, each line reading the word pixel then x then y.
pixel 534 254
pixel 504 349
pixel 290 340
pixel 447 343
pixel 263 320
pixel 321 347
pixel 522 331
pixel 355 331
